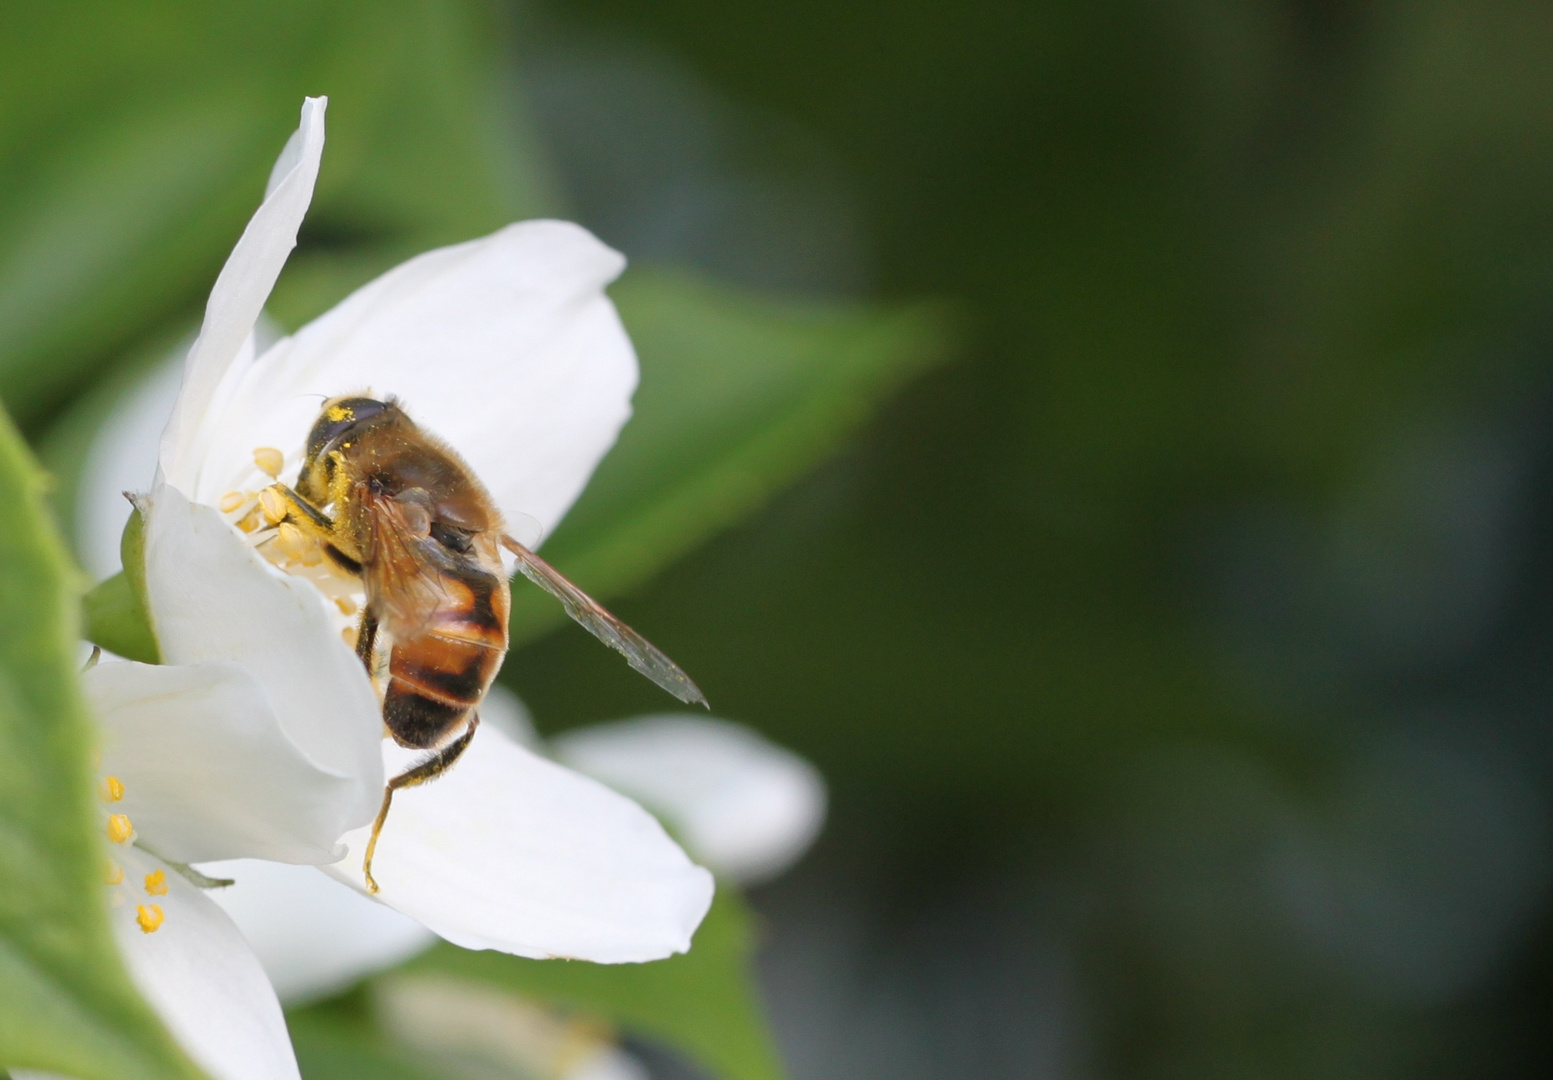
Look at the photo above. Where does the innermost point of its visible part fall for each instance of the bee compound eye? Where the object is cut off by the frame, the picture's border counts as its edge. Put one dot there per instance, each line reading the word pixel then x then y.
pixel 338 417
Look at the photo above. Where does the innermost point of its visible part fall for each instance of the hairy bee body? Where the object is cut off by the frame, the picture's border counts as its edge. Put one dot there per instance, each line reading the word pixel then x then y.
pixel 413 516
pixel 438 676
pixel 393 506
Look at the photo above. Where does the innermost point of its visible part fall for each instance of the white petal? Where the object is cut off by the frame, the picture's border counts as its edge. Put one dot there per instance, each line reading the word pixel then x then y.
pixel 506 347
pixel 208 770
pixel 239 295
pixel 214 599
pixel 201 977
pixel 742 805
pixel 512 852
pixel 314 936
pixel 503 709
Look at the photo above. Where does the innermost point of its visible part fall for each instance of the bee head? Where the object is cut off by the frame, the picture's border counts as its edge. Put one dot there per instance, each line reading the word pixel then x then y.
pixel 339 417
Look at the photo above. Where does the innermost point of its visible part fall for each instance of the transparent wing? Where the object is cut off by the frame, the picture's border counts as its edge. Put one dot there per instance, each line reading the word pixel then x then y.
pixel 640 653
pixel 403 588
pixel 525 529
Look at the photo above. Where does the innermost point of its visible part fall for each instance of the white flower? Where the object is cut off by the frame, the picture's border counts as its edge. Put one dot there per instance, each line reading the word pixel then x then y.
pixel 196 766
pixel 742 805
pixel 262 735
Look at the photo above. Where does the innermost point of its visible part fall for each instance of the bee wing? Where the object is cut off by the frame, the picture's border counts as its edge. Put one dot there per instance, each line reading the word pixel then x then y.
pixel 404 588
pixel 640 653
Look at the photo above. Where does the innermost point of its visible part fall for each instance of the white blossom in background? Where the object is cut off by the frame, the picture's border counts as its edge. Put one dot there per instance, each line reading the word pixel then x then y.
pixel 508 347
pixel 474 1030
pixel 742 805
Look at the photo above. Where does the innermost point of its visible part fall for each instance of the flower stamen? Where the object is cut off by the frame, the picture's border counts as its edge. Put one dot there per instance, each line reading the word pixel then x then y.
pixel 269 461
pixel 156 883
pixel 251 520
pixel 119 828
pixel 114 874
pixel 292 542
pixel 273 505
pixel 112 789
pixel 150 917
pixel 231 501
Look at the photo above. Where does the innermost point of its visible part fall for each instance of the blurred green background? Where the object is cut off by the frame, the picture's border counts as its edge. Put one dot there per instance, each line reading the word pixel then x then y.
pixel 1176 650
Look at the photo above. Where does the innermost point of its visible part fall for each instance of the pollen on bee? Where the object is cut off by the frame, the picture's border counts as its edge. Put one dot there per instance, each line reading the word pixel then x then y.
pixel 269 461
pixel 336 413
pixel 231 501
pixel 156 883
pixel 111 789
pixel 113 875
pixel 119 828
pixel 273 505
pixel 150 917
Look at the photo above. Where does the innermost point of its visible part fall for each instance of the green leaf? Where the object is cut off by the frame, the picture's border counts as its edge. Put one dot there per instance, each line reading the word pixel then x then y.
pixel 135 141
pixel 118 614
pixel 66 1003
pixel 701 1003
pixel 740 394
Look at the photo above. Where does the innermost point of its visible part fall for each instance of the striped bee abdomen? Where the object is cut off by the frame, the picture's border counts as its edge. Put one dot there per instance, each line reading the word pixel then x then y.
pixel 440 674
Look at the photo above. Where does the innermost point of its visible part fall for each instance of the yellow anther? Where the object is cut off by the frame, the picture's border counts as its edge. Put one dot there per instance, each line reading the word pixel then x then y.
pixel 348 635
pixel 150 917
pixel 273 505
pixel 346 605
pixel 156 883
pixel 114 875
pixel 311 555
pixel 269 461
pixel 251 520
pixel 292 542
pixel 112 789
pixel 119 828
pixel 231 501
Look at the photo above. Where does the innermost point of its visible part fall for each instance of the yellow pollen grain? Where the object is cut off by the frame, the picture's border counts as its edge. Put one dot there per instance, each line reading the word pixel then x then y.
pixel 119 828
pixel 156 883
pixel 112 789
pixel 150 917
pixel 269 461
pixel 114 875
pixel 273 505
pixel 336 413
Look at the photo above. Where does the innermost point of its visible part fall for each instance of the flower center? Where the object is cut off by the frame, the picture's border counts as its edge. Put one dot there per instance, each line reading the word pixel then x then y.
pixel 261 515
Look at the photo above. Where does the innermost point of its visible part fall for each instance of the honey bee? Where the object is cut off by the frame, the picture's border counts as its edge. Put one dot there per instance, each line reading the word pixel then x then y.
pixel 397 508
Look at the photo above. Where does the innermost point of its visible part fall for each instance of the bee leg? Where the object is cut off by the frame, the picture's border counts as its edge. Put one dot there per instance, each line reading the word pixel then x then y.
pixel 280 503
pixel 428 770
pixel 366 638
